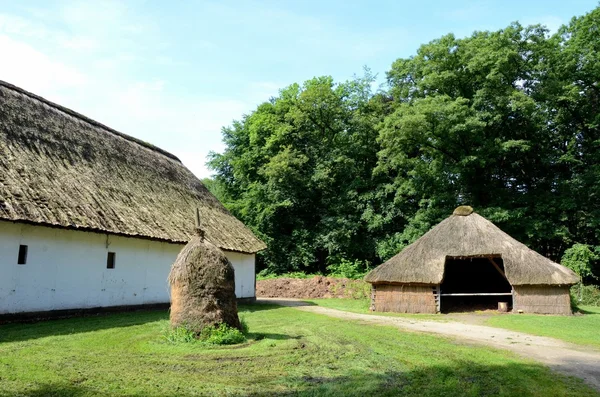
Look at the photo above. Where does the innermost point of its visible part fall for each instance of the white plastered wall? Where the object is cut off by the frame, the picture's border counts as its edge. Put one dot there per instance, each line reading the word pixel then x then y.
pixel 66 269
pixel 245 275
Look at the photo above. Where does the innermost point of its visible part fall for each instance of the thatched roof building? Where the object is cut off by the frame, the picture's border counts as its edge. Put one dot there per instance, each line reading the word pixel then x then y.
pixel 463 244
pixel 61 169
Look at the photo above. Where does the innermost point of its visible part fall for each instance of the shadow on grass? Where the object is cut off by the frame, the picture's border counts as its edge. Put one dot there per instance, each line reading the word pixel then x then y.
pixel 274 303
pixel 17 332
pixel 586 312
pixel 460 379
pixel 269 335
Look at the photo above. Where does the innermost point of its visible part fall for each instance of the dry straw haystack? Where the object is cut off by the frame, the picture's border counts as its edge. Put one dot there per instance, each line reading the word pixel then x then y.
pixel 467 234
pixel 202 287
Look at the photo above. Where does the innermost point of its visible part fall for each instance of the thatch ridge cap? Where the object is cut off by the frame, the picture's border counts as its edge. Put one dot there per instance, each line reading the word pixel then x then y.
pixel 88 120
pixel 463 210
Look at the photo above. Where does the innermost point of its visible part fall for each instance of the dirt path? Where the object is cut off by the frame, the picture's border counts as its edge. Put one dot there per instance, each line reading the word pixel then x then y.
pixel 567 358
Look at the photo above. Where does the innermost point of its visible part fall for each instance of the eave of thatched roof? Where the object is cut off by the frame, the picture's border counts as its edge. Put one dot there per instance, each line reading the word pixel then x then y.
pixel 469 235
pixel 59 168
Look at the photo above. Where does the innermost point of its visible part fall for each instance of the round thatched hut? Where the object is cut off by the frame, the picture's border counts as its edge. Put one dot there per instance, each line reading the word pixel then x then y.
pixel 202 287
pixel 467 260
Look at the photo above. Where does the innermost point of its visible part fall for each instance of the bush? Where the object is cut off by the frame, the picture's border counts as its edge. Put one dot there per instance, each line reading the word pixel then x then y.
pixel 244 324
pixel 358 290
pixel 179 335
pixel 345 268
pixel 220 334
pixel 590 295
pixel 354 289
pixel 580 258
pixel 266 275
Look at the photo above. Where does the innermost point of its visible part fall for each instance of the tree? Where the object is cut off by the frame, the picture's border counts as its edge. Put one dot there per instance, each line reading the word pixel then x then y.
pixel 580 258
pixel 508 121
pixel 466 130
pixel 296 168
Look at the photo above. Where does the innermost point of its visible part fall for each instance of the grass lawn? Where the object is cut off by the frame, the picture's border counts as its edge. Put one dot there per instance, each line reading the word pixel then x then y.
pixel 290 352
pixel 582 329
pixel 362 306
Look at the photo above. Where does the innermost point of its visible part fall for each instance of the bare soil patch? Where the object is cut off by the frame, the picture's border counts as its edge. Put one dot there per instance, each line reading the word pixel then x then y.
pixel 308 288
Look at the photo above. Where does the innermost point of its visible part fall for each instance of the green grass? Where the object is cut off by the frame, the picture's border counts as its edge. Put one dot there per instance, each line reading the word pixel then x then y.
pixel 349 305
pixel 269 276
pixel 289 352
pixel 582 329
pixel 362 306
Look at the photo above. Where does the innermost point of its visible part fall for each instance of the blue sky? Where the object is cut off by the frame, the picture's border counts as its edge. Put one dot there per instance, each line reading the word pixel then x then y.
pixel 174 72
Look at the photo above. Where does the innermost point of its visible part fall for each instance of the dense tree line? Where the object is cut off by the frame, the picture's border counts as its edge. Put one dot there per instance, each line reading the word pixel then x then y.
pixel 331 173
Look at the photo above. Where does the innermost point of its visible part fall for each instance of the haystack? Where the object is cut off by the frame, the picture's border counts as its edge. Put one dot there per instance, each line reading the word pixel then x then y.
pixel 202 287
pixel 467 255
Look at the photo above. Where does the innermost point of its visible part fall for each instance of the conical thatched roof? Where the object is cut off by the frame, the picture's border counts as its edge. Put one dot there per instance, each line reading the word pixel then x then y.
pixel 59 168
pixel 467 234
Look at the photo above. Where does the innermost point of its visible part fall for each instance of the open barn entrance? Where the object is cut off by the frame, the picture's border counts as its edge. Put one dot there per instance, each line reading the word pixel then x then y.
pixel 474 283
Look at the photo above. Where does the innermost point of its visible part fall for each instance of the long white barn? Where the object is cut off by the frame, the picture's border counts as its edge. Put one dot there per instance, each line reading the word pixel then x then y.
pixel 90 217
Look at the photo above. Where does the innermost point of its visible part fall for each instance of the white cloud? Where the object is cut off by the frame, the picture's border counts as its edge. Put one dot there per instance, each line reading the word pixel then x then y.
pixel 31 69
pixel 189 127
pixel 49 62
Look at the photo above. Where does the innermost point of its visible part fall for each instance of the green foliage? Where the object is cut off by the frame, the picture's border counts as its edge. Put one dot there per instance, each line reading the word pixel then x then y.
pixel 179 335
pixel 244 324
pixel 585 295
pixel 354 290
pixel 266 274
pixel 221 334
pixel 345 268
pixel 579 258
pixel 506 121
pixel 295 170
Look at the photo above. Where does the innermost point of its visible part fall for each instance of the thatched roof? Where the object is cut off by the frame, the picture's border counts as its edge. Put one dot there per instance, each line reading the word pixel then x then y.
pixel 467 234
pixel 59 168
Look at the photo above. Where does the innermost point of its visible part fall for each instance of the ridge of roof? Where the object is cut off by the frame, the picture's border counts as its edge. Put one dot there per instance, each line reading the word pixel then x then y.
pixel 89 120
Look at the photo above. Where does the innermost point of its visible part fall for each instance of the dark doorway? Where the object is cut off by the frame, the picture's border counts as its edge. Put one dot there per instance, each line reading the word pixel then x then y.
pixel 474 283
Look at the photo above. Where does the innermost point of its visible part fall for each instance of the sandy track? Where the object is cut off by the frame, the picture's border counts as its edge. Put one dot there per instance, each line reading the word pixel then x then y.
pixel 566 358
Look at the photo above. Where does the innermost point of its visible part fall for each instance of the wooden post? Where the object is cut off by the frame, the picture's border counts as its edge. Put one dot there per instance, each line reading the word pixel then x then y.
pixel 512 293
pixel 497 267
pixel 199 229
pixel 372 307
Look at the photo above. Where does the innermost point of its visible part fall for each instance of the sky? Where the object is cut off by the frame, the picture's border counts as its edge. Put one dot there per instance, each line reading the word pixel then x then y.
pixel 174 73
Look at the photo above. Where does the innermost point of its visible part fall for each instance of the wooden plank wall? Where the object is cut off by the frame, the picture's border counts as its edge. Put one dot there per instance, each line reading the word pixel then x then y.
pixel 546 299
pixel 403 298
